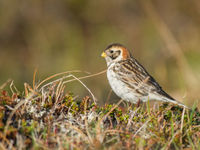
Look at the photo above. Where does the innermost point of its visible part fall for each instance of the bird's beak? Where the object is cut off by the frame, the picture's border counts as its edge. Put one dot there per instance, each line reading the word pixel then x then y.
pixel 103 55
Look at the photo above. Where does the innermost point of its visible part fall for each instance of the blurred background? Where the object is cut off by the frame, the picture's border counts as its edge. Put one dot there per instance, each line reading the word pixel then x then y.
pixel 56 36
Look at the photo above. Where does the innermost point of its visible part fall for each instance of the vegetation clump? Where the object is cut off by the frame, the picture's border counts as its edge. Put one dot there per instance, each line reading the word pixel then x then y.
pixel 51 118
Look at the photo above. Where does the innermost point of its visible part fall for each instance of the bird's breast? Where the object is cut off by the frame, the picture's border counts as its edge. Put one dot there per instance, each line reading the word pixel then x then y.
pixel 119 87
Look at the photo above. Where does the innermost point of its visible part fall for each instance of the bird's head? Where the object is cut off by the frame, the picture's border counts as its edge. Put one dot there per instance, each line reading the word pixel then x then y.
pixel 114 53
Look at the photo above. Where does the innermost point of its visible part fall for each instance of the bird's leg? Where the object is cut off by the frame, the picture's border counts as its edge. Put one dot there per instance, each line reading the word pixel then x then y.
pixel 138 102
pixel 129 105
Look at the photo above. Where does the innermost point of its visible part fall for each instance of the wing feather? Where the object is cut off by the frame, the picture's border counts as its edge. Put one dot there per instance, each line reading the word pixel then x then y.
pixel 137 75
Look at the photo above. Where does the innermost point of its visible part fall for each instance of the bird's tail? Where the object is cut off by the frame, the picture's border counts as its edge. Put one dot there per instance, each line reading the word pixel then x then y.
pixel 174 102
pixel 167 98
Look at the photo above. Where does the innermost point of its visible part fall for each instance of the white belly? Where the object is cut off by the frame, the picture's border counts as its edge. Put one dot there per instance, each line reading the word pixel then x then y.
pixel 120 88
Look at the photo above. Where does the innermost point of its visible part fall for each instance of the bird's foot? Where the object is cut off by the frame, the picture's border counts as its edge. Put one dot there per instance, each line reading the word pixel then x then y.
pixel 138 103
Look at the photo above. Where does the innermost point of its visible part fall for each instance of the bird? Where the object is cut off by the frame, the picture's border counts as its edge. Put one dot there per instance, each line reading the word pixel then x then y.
pixel 130 80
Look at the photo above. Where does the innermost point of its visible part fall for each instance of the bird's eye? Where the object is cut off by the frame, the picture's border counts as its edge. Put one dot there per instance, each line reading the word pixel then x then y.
pixel 111 51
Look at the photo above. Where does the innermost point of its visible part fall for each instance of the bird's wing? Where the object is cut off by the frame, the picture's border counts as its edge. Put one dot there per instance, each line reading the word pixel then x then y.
pixel 136 75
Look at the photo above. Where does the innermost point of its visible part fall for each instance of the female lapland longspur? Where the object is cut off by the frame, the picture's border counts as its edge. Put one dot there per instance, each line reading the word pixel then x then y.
pixel 129 79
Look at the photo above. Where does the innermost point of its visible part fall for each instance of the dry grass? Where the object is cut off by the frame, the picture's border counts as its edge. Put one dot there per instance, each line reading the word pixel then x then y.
pixel 46 116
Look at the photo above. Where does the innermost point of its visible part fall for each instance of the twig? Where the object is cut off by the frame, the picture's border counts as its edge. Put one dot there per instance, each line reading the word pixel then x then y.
pixel 84 77
pixel 4 84
pixel 79 131
pixel 34 77
pixel 131 117
pixel 141 128
pixel 182 121
pixel 55 75
pixel 86 121
pixel 86 88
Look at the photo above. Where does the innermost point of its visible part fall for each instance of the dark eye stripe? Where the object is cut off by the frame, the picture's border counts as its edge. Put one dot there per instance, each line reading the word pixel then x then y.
pixel 115 54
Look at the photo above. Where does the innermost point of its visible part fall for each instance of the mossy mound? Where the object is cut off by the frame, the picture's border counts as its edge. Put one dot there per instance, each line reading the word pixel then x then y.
pixel 52 119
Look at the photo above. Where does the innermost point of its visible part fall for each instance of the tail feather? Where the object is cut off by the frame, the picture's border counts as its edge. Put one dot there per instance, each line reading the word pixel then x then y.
pixel 168 98
pixel 174 102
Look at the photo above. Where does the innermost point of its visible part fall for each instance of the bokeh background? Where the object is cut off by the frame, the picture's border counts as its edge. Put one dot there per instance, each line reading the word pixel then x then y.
pixel 56 36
